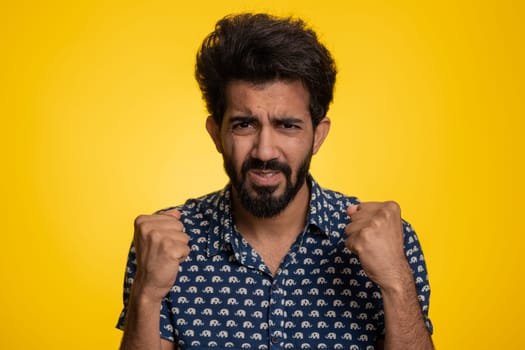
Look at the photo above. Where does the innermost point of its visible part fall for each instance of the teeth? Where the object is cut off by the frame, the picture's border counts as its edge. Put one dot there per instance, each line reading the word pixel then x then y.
pixel 266 174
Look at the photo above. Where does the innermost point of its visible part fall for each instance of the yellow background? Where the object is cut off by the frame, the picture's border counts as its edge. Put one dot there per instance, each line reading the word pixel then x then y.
pixel 102 120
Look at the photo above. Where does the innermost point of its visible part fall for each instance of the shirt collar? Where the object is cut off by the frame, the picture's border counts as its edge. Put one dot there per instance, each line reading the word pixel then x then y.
pixel 319 211
pixel 221 230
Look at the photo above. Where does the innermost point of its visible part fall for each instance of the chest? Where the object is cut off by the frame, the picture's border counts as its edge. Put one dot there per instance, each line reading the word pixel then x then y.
pixel 314 298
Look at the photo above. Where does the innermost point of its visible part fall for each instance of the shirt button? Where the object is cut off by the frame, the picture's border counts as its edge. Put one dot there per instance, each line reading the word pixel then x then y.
pixel 274 339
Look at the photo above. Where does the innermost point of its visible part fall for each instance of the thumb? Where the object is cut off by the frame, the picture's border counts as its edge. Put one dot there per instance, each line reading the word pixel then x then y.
pixel 352 209
pixel 172 212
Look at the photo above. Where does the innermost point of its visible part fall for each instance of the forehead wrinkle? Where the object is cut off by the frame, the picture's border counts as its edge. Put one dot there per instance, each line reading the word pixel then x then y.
pixel 258 101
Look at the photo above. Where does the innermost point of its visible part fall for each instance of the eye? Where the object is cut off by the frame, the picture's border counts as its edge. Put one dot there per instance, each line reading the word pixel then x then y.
pixel 242 125
pixel 290 126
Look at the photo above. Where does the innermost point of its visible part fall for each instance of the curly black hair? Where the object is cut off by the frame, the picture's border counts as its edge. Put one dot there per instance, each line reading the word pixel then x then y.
pixel 259 48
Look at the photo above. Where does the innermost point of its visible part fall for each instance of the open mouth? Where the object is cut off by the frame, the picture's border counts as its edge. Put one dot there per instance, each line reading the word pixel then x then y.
pixel 264 177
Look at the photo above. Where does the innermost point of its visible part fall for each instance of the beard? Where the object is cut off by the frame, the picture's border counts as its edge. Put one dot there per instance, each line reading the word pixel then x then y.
pixel 263 203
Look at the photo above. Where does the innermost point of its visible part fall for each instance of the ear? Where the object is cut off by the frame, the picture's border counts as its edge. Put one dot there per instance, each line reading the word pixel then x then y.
pixel 320 133
pixel 215 132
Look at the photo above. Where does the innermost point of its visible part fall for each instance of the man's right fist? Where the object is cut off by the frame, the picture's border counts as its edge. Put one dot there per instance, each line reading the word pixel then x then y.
pixel 160 246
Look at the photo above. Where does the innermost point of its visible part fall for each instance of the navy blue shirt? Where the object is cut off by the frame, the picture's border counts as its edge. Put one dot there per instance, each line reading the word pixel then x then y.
pixel 225 296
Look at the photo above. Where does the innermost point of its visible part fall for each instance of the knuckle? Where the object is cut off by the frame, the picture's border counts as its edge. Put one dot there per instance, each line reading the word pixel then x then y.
pixel 143 231
pixel 374 222
pixel 167 246
pixel 178 226
pixel 179 250
pixel 355 247
pixel 381 214
pixel 388 209
pixel 367 233
pixel 154 236
pixel 144 224
pixel 393 206
pixel 140 220
pixel 184 238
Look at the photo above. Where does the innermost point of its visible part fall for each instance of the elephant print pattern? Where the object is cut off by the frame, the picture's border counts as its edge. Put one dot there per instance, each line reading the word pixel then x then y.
pixel 320 298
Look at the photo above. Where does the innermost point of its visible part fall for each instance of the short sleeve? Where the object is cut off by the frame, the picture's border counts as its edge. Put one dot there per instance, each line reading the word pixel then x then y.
pixel 416 260
pixel 166 319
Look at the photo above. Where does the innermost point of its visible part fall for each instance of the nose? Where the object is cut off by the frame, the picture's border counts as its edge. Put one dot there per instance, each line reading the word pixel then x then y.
pixel 266 145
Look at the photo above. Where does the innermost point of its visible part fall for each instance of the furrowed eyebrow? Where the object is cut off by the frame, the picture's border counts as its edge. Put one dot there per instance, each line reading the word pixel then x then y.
pixel 289 120
pixel 237 119
pixel 276 120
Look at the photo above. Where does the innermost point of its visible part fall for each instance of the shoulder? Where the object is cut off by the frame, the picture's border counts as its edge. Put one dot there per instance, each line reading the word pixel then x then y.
pixel 203 205
pixel 200 214
pixel 331 199
pixel 328 209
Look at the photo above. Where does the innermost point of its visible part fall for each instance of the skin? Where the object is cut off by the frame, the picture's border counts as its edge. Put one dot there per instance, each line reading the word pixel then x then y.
pixel 269 121
pixel 160 245
pixel 272 121
pixel 376 235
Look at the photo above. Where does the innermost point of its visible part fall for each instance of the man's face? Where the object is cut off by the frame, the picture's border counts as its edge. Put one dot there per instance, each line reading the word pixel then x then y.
pixel 267 141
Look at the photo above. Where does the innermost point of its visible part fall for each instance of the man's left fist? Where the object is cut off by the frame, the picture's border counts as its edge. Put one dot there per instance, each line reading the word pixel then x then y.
pixel 375 234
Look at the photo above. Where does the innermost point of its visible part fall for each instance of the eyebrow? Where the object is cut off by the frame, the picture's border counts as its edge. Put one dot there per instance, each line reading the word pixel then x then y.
pixel 281 120
pixel 241 118
pixel 288 120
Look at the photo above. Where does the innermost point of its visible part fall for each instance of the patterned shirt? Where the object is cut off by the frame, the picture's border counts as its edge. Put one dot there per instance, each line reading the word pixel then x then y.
pixel 320 298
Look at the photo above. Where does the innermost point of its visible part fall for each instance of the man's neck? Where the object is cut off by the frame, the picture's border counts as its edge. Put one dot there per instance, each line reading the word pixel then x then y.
pixel 283 227
pixel 272 237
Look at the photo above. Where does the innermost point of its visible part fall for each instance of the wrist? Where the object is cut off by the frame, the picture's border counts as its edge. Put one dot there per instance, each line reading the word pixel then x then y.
pixel 145 295
pixel 401 282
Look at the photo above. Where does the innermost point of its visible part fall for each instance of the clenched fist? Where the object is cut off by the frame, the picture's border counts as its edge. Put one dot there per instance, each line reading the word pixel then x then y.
pixel 375 234
pixel 160 246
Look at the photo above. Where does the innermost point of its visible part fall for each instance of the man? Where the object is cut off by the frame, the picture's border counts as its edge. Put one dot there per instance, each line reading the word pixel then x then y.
pixel 273 260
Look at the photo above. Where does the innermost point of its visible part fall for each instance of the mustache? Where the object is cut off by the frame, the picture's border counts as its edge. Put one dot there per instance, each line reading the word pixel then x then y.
pixel 273 164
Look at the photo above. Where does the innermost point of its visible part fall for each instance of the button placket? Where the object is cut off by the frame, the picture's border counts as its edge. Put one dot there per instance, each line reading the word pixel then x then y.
pixel 276 313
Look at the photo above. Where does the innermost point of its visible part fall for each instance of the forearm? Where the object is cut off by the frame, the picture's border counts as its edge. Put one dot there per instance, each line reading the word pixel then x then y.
pixel 141 331
pixel 405 326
